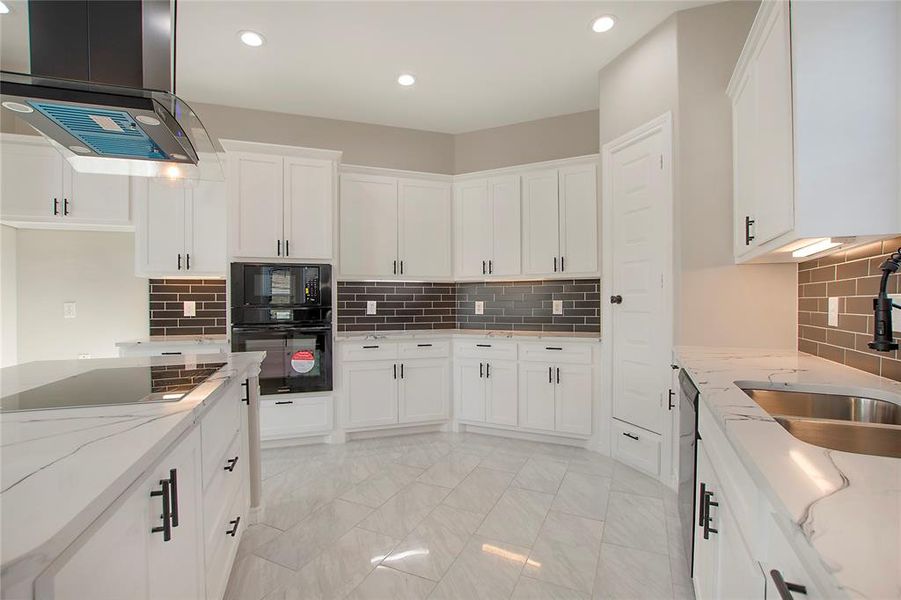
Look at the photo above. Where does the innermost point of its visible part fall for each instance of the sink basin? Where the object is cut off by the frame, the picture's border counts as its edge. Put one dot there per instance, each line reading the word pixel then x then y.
pixel 837 421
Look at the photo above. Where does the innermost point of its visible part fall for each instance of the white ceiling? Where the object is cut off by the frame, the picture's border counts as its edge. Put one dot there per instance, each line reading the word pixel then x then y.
pixel 478 64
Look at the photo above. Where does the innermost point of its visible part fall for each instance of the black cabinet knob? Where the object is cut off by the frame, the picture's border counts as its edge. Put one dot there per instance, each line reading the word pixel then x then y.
pixel 617 299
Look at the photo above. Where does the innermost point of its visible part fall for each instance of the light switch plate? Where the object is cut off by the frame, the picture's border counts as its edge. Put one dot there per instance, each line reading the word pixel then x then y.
pixel 558 307
pixel 68 310
pixel 370 307
pixel 896 312
pixel 190 308
pixel 480 307
pixel 832 315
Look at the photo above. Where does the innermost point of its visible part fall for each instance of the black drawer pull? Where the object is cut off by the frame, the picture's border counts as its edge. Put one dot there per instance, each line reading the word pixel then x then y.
pixel 423 345
pixel 553 348
pixel 166 528
pixel 483 345
pixel 246 385
pixel 630 435
pixel 369 347
pixel 701 504
pixel 708 502
pixel 231 464
pixel 234 524
pixel 173 494
pixel 284 402
pixel 786 588
pixel 171 353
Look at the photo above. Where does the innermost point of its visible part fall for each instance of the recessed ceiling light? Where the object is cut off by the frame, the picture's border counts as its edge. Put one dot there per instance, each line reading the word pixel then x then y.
pixel 406 79
pixel 252 38
pixel 4 9
pixel 602 24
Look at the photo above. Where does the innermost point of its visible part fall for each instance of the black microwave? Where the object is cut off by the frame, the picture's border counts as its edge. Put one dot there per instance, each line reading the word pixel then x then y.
pixel 281 294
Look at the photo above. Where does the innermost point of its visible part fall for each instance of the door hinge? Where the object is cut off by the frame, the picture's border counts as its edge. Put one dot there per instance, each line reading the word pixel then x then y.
pixel 661 162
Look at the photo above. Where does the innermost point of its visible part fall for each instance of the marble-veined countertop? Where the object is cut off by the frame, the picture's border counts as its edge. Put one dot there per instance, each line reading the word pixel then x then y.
pixel 60 468
pixel 845 507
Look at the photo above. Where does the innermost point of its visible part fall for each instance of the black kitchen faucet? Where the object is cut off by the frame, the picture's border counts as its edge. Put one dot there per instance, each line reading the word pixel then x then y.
pixel 883 340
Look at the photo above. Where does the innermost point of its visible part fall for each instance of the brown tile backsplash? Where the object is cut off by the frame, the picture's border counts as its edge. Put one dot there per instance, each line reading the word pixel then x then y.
pixel 852 277
pixel 509 305
pixel 167 309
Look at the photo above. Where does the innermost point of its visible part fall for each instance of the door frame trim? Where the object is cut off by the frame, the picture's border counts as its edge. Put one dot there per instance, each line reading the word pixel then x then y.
pixel 661 124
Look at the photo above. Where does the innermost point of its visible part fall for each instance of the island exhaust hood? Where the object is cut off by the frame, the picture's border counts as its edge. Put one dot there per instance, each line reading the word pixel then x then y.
pixel 101 90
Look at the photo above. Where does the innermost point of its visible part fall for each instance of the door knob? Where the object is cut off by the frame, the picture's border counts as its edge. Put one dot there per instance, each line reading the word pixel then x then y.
pixel 616 299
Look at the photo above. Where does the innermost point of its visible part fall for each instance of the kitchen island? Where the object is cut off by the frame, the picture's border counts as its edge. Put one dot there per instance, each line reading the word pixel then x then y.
pixel 65 471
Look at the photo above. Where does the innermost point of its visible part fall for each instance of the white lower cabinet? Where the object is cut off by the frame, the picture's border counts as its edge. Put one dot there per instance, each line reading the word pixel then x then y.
pixel 536 398
pixel 470 389
pixel 285 417
pixel 556 397
pixel 486 391
pixel 423 390
pixel 371 393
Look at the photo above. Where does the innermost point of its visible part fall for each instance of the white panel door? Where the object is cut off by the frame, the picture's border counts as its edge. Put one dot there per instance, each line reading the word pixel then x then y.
pixel 536 396
pixel 573 404
pixel 159 227
pixel 32 179
pixel 506 225
pixel 368 226
pixel 470 389
pixel 424 389
pixel 424 213
pixel 96 199
pixel 206 229
pixel 502 405
pixel 774 181
pixel 370 390
pixel 540 223
pixel 640 361
pixel 472 228
pixel 256 190
pixel 309 206
pixel 578 219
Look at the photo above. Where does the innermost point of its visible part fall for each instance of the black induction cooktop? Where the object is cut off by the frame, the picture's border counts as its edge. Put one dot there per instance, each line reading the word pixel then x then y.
pixel 120 385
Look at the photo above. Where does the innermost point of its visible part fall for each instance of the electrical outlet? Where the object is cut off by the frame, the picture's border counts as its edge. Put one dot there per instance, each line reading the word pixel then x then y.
pixel 896 312
pixel 480 307
pixel 558 307
pixel 84 355
pixel 832 315
pixel 370 307
pixel 190 308
pixel 68 310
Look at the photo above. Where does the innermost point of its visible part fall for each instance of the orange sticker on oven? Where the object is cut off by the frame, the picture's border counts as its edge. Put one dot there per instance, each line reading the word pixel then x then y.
pixel 303 361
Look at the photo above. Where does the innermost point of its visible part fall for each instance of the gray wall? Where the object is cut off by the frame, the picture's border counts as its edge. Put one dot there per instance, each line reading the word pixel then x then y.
pixel 534 141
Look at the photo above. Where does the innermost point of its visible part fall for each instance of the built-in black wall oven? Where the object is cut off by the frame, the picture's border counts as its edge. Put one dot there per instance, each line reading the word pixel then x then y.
pixel 286 311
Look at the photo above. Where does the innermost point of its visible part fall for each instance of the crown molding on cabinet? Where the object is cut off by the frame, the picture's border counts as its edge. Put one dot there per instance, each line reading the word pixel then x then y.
pixel 399 173
pixel 537 166
pixel 280 150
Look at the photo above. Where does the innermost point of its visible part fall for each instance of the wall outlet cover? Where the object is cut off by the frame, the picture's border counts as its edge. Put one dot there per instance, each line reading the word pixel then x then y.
pixel 832 315
pixel 190 308
pixel 480 307
pixel 370 307
pixel 84 355
pixel 68 310
pixel 558 307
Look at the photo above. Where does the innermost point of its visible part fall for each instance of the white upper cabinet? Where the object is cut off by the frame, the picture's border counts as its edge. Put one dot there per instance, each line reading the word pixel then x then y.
pixel 506 226
pixel 487 227
pixel 814 122
pixel 394 228
pixel 206 229
pixel 40 189
pixel 540 223
pixel 309 207
pixel 256 191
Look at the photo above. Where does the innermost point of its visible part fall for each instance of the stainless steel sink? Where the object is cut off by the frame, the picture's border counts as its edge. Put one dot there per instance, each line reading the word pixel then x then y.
pixel 841 422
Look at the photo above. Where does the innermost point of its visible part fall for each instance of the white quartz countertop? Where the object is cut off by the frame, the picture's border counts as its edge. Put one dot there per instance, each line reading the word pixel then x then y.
pixel 500 334
pixel 844 507
pixel 175 340
pixel 60 468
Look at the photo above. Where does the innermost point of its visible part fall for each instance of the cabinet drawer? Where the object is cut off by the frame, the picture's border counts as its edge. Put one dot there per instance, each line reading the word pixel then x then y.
pixel 636 447
pixel 217 428
pixel 423 349
pixel 290 417
pixel 567 353
pixel 374 350
pixel 222 547
pixel 485 349
pixel 218 496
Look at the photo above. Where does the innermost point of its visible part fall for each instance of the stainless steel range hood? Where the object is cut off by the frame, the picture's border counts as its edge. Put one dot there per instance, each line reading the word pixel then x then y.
pixel 94 65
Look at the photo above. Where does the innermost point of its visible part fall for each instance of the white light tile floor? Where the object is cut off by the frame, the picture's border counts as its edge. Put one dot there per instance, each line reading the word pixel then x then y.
pixel 461 517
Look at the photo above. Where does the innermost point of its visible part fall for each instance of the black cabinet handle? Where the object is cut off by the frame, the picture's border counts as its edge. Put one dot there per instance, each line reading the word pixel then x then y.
pixel 370 347
pixel 395 371
pixel 55 207
pixel 401 267
pixel 279 247
pixel 188 261
pixel 707 519
pixel 562 263
pixel 483 267
pixel 701 504
pixel 246 385
pixel 558 374
pixel 395 268
pixel 173 493
pixel 550 375
pixel 617 299
pixel 555 264
pixel 231 464
pixel 65 207
pixel 672 404
pixel 748 237
pixel 179 262
pixel 481 373
pixel 553 348
pixel 234 523
pixel 284 402
pixel 630 435
pixel 166 528
pixel 786 588
pixel 487 370
pixel 170 353
pixel 401 370
pixel 490 266
pixel 423 345
pixel 287 248
pixel 483 345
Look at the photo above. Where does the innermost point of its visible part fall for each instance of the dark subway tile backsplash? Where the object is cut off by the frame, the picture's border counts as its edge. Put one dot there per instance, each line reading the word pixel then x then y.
pixel 167 297
pixel 509 305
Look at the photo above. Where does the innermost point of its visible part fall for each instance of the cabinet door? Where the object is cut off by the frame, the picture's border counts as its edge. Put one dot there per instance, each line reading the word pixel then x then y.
pixel 32 178
pixel 470 390
pixel 96 199
pixel 739 574
pixel 502 401
pixel 540 223
pixel 472 221
pixel 177 566
pixel 159 227
pixel 368 226
pixel 256 188
pixel 536 396
pixel 206 229
pixel 578 219
pixel 506 225
pixel 371 393
pixel 309 205
pixel 424 389
pixel 774 183
pixel 706 551
pixel 744 160
pixel 424 212
pixel 574 394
